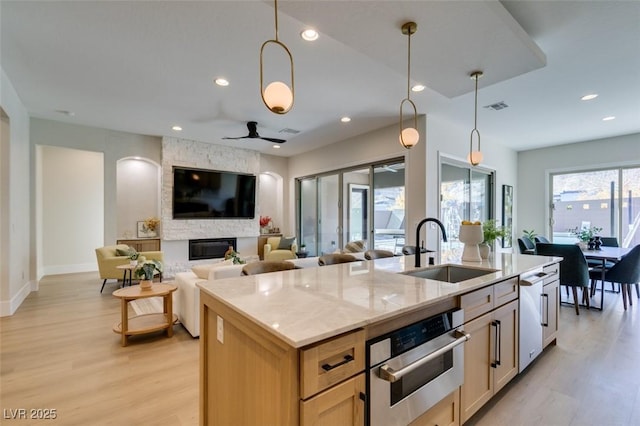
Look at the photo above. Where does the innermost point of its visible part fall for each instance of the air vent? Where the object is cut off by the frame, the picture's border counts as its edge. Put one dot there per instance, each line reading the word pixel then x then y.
pixel 497 106
pixel 290 131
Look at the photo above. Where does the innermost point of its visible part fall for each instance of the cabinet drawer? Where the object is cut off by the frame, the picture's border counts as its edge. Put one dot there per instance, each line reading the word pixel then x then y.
pixel 477 303
pixel 505 291
pixel 341 405
pixel 330 362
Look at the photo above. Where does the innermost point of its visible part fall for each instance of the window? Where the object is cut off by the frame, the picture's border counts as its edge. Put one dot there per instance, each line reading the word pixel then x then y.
pixel 608 199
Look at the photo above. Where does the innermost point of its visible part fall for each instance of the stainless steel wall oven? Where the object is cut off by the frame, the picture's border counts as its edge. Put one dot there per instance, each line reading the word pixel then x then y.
pixel 412 368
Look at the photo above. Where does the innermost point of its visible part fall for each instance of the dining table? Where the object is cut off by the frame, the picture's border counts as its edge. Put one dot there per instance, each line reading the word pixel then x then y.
pixel 604 254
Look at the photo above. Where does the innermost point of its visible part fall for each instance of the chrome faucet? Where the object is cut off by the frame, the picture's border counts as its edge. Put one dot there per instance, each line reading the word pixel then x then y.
pixel 422 222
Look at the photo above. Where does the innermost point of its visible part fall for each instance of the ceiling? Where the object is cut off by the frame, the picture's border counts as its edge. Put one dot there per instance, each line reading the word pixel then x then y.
pixel 144 66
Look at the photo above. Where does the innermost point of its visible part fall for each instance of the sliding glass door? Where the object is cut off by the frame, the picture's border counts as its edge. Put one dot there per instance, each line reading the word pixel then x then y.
pixel 466 193
pixel 360 204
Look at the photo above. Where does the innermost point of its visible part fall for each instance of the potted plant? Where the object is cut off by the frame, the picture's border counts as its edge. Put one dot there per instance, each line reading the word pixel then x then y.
pixel 146 270
pixel 233 255
pixel 585 234
pixel 133 257
pixel 490 232
pixel 530 234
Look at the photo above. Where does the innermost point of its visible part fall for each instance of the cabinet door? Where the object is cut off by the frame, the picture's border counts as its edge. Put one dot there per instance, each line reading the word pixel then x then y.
pixel 550 313
pixel 478 373
pixel 339 405
pixel 505 321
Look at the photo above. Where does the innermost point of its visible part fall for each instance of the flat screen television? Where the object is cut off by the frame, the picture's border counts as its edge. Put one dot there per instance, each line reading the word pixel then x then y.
pixel 207 194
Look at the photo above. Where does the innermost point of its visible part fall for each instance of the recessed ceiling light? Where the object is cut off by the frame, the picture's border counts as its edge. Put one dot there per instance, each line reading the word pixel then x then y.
pixel 589 97
pixel 221 82
pixel 345 119
pixel 176 128
pixel 309 34
pixel 276 146
pixel 609 118
pixel 418 88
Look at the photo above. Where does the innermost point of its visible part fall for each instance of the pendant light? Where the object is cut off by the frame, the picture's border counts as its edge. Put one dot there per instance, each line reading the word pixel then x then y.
pixel 277 96
pixel 409 136
pixel 475 157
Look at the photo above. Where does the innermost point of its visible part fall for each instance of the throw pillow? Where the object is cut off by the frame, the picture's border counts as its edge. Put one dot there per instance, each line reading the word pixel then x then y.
pixel 202 270
pixel 124 252
pixel 285 243
pixel 354 246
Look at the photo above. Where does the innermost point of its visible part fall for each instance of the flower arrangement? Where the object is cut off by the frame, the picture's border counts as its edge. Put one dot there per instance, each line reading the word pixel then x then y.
pixel 264 221
pixel 148 268
pixel 585 234
pixel 151 224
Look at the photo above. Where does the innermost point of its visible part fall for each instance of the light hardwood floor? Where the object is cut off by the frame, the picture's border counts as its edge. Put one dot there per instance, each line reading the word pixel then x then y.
pixel 59 351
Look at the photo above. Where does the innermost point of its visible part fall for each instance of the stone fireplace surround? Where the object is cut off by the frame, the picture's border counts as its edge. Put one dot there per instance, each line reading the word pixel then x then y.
pixel 176 234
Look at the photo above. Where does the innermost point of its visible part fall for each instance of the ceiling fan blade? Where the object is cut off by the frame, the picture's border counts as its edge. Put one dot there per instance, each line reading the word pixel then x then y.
pixel 274 140
pixel 239 137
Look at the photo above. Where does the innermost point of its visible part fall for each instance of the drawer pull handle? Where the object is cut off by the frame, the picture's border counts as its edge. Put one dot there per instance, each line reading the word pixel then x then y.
pixel 329 367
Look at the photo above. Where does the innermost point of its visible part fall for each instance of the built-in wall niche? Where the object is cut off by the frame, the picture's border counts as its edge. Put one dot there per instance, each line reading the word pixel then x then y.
pixel 138 194
pixel 270 198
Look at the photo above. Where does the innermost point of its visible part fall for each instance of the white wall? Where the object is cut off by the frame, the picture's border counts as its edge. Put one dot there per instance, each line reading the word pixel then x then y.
pixel 535 165
pixel 17 277
pixel 113 144
pixel 70 203
pixel 138 194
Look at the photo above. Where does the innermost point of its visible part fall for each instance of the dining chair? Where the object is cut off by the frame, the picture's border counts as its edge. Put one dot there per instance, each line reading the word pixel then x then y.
pixel 626 273
pixel 335 258
pixel 264 266
pixel 526 245
pixel 377 254
pixel 595 263
pixel 541 239
pixel 574 271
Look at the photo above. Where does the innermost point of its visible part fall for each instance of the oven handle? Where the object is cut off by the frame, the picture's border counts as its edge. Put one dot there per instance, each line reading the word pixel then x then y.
pixel 389 374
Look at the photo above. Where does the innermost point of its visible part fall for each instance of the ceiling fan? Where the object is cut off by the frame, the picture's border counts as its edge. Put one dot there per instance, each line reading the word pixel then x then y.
pixel 253 134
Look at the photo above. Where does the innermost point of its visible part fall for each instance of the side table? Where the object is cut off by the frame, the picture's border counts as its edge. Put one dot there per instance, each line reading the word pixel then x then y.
pixel 147 323
pixel 128 270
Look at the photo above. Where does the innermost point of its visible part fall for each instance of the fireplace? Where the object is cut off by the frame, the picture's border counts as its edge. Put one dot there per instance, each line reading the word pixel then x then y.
pixel 210 248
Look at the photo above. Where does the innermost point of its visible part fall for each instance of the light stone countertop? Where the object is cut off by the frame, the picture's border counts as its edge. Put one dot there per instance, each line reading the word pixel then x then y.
pixel 304 306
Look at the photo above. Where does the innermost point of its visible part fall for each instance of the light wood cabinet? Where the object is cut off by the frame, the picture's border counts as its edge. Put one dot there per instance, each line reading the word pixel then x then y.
pixel 249 376
pixel 144 244
pixel 342 404
pixel 491 354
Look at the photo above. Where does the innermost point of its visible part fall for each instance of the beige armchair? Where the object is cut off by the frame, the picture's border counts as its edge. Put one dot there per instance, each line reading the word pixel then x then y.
pixel 108 260
pixel 280 248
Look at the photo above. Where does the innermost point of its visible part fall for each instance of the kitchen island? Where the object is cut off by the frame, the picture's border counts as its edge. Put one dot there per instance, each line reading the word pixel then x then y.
pixel 266 339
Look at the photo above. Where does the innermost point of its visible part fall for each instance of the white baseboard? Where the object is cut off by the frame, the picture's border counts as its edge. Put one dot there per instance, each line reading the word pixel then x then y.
pixel 9 307
pixel 68 269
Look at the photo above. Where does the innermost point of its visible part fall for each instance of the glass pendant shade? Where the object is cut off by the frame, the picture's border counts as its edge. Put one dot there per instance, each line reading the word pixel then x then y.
pixel 475 157
pixel 278 97
pixel 409 137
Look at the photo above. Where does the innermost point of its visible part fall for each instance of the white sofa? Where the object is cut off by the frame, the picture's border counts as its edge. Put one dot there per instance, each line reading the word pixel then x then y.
pixel 187 300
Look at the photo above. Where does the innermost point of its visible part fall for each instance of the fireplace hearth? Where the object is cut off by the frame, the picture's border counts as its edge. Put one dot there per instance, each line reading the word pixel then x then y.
pixel 210 248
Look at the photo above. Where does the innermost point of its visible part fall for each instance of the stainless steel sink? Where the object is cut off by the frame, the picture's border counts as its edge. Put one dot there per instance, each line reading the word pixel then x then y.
pixel 449 273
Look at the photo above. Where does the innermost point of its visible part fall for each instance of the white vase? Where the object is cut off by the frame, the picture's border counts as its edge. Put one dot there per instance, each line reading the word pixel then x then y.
pixel 133 263
pixel 471 236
